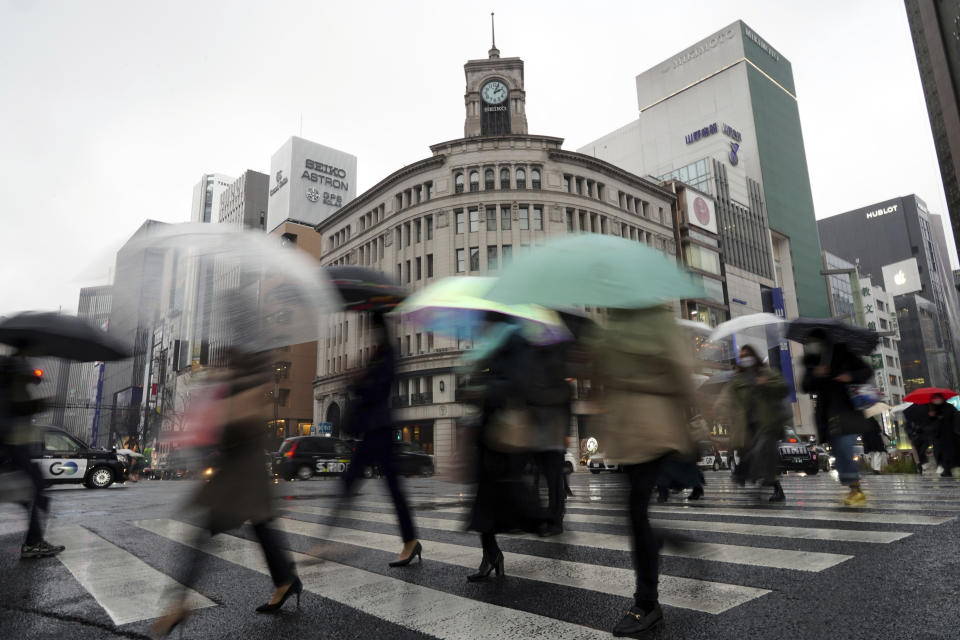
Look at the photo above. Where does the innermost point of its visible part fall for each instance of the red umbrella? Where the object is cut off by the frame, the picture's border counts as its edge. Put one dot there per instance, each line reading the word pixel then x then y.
pixel 923 396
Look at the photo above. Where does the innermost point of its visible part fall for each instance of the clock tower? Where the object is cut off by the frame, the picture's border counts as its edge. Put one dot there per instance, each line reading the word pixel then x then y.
pixel 495 100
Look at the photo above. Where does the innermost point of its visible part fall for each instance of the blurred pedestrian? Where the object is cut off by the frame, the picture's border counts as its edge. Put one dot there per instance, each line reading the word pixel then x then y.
pixel 753 408
pixel 21 443
pixel 238 489
pixel 940 426
pixel 645 369
pixel 875 445
pixel 914 417
pixel 369 416
pixel 506 501
pixel 829 368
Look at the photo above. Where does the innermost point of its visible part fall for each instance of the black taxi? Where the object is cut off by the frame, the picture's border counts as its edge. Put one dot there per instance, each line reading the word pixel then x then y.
pixel 64 459
pixel 303 457
pixel 797 455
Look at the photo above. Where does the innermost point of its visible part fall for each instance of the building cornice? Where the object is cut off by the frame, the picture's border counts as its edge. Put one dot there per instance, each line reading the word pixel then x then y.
pixel 602 166
pixel 442 146
pixel 368 196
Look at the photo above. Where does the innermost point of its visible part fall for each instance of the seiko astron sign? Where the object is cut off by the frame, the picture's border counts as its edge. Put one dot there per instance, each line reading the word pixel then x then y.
pixel 309 182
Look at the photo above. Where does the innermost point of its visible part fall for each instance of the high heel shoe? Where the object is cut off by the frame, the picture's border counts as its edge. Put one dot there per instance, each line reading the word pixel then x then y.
pixel 486 567
pixel 165 625
pixel 295 588
pixel 417 550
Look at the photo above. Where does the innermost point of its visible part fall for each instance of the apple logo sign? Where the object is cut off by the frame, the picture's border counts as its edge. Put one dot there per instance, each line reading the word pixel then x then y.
pixel 701 210
pixel 900 279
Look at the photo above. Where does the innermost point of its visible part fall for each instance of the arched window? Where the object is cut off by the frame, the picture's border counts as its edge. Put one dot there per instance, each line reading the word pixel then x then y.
pixel 505 178
pixel 489 179
pixel 458 183
pixel 474 181
pixel 521 178
pixel 535 178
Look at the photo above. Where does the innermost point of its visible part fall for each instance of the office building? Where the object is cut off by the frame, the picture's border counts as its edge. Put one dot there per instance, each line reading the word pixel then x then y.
pixel 464 211
pixel 243 204
pixel 933 25
pixel 902 232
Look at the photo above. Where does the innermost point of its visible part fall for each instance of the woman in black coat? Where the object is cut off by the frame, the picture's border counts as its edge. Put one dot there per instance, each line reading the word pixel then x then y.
pixel 829 369
pixel 940 425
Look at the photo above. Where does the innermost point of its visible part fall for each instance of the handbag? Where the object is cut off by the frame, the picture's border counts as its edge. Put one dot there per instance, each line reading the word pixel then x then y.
pixel 864 396
pixel 848 423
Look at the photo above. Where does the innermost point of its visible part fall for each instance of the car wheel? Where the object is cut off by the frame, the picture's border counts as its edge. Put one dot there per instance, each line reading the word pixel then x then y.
pixel 594 471
pixel 368 472
pixel 716 466
pixel 100 478
pixel 304 472
pixel 567 466
pixel 426 470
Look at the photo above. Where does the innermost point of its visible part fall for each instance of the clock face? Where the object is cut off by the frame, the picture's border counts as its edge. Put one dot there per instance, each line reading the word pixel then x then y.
pixel 494 92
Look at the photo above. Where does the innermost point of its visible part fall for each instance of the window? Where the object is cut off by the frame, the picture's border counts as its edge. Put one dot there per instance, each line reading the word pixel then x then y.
pixel 660 215
pixel 504 178
pixel 884 325
pixel 474 258
pixel 429 227
pixel 406 232
pixel 521 178
pixel 599 191
pixel 538 218
pixel 429 265
pixel 409 352
pixel 429 340
pixel 491 218
pixel 535 178
pixel 492 258
pixel 579 182
pixel 570 221
pixel 419 268
pixel 461 221
pixel 474 181
pixel 418 226
pixel 427 189
pixel 489 180
pixel 407 270
pixel 474 220
pixel 566 183
pixel 458 182
pixel 399 201
pixel 399 273
pixel 461 260
pixel 701 258
pixel 505 218
pixel 59 442
pixel 507 254
pixel 890 361
pixel 524 217
pixel 419 343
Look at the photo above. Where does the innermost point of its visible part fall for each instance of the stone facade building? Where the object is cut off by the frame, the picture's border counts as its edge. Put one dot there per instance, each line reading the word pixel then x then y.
pixel 465 211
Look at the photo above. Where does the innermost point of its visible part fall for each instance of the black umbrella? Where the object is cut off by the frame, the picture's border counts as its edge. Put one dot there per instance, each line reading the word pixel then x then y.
pixel 856 339
pixel 59 336
pixel 365 289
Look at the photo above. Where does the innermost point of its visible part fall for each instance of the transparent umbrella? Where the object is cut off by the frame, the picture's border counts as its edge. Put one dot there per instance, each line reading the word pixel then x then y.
pixel 248 288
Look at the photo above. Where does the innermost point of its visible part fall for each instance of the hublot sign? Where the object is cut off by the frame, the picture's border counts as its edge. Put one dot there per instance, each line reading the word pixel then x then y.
pixel 876 213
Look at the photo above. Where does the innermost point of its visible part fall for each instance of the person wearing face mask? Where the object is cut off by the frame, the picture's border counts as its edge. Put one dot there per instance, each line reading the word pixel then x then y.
pixel 939 428
pixel 829 368
pixel 753 407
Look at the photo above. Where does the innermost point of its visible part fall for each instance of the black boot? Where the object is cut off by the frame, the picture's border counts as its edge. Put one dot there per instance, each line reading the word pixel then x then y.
pixel 696 494
pixel 487 566
pixel 778 494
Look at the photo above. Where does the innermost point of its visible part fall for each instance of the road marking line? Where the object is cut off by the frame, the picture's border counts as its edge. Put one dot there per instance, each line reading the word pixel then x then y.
pixel 715 552
pixel 698 595
pixel 127 588
pixel 408 605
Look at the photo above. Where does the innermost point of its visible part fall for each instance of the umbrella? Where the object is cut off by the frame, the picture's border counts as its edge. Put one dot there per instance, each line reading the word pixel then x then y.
pixel 924 395
pixel 593 269
pixel 717 379
pixel 857 339
pixel 456 304
pixel 59 336
pixel 742 323
pixel 264 295
pixel 365 289
pixel 877 409
pixel 900 408
pixel 696 327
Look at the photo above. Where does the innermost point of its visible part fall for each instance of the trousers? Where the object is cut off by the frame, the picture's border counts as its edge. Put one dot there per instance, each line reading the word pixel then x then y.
pixel 646 549
pixel 376 451
pixel 40 503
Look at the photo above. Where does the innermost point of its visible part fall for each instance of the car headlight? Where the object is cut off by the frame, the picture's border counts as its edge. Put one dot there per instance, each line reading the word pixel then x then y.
pixel 592 445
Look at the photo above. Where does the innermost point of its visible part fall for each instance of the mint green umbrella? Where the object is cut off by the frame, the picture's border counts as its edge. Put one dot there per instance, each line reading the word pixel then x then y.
pixel 595 270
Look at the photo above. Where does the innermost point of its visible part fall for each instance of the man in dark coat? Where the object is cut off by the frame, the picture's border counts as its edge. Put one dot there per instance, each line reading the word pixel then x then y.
pixel 829 369
pixel 939 427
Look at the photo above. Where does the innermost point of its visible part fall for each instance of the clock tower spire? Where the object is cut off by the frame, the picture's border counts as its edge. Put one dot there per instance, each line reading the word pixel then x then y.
pixel 495 100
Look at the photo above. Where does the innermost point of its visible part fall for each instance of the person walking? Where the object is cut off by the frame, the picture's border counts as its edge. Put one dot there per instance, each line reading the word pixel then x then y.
pixel 753 408
pixel 829 368
pixel 940 426
pixel 239 489
pixel 875 445
pixel 21 442
pixel 369 416
pixel 645 371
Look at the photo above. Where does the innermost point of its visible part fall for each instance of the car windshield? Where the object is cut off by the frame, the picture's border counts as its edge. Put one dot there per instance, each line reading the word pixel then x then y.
pixel 706 449
pixel 287 444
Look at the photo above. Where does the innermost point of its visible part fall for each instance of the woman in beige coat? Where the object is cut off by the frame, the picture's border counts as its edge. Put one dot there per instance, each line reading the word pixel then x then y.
pixel 644 367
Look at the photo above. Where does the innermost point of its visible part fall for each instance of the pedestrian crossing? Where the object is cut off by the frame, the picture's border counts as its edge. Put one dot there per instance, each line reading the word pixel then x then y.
pixel 733 553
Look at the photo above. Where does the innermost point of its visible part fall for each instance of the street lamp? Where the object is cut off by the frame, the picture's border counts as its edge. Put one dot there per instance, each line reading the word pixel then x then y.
pixel 279 373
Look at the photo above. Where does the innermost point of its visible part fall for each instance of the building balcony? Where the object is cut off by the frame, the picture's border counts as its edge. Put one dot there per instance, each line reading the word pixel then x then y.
pixel 400 402
pixel 421 398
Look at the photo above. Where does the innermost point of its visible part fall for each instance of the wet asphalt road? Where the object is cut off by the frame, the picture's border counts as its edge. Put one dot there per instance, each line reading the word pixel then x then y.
pixel 807 569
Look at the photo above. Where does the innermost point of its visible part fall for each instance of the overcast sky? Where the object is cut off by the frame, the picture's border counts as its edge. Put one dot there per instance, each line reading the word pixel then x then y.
pixel 112 111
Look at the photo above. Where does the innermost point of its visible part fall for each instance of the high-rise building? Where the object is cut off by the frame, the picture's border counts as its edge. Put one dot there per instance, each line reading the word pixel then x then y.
pixel 243 205
pixel 206 197
pixel 80 399
pixel 309 182
pixel 934 27
pixel 902 230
